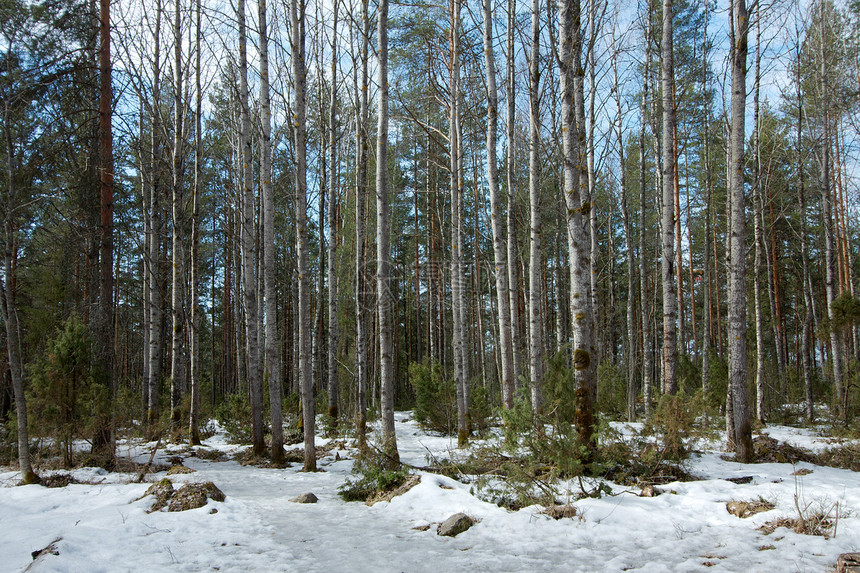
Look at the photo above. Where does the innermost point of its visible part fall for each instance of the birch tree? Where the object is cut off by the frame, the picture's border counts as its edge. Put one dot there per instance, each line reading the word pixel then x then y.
pixel 499 247
pixel 535 279
pixel 578 227
pixel 670 348
pixel 297 22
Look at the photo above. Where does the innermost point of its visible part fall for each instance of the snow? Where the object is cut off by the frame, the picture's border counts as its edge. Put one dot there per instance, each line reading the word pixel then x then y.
pixel 105 527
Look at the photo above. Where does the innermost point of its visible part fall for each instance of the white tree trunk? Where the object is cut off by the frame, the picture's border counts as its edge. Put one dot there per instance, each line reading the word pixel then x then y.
pixel 670 348
pixel 535 290
pixel 499 246
pixel 306 382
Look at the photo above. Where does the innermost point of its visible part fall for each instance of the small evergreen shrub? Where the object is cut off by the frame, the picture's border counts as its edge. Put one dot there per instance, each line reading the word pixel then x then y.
pixel 63 397
pixel 372 477
pixel 234 415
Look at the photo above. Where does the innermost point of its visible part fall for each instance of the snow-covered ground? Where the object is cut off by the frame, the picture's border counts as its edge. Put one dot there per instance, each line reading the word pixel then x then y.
pixel 105 527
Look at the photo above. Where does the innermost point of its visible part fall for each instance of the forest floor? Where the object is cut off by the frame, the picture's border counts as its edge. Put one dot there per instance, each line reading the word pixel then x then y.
pixel 103 525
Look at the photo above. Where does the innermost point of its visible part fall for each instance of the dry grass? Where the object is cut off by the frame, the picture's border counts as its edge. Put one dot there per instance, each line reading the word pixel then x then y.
pixel 745 509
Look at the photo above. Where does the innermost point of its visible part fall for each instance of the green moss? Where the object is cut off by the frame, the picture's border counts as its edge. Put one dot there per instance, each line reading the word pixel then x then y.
pixel 581 359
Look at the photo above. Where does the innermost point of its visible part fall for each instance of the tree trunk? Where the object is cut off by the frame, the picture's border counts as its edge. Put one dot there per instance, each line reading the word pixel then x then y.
pixel 578 227
pixel 297 19
pixel 194 422
pixel 8 305
pixel 383 250
pixel 647 365
pixel 177 280
pixel 332 231
pixel 360 232
pixel 630 347
pixel 758 238
pixel 670 349
pixel 513 275
pixel 535 319
pixel 737 275
pixel 706 279
pixel 156 344
pixel 272 369
pixel 461 375
pixel 249 249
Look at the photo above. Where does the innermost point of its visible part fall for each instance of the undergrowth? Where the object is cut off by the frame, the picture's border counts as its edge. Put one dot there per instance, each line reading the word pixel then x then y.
pixel 371 477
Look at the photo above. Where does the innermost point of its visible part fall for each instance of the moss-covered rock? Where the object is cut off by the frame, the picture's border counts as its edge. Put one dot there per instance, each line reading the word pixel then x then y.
pixel 180 469
pixel 162 491
pixel 194 495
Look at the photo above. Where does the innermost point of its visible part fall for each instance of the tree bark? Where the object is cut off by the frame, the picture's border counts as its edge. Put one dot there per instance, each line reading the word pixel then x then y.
pixel 272 368
pixel 249 249
pixel 535 290
pixel 333 386
pixel 297 19
pixel 578 227
pixel 194 422
pixel 461 375
pixel 737 276
pixel 360 239
pixel 513 275
pixel 383 249
pixel 670 343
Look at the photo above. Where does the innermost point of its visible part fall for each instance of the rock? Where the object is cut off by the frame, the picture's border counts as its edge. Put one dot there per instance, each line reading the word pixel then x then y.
pixel 194 495
pixel 180 469
pixel 740 480
pixel 163 492
pixel 455 525
pixel 649 490
pixel 308 497
pixel 848 563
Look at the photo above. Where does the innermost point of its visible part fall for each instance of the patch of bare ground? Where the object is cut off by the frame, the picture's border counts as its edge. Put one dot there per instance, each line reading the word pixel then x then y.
pixel 411 481
pixel 561 511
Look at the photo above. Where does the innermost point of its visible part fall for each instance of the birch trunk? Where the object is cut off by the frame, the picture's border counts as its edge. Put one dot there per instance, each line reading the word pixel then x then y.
pixel 578 228
pixel 830 256
pixel 155 350
pixel 513 275
pixel 535 290
pixel 706 130
pixel 670 343
pixel 647 365
pixel 499 256
pixel 332 230
pixel 758 239
pixel 306 382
